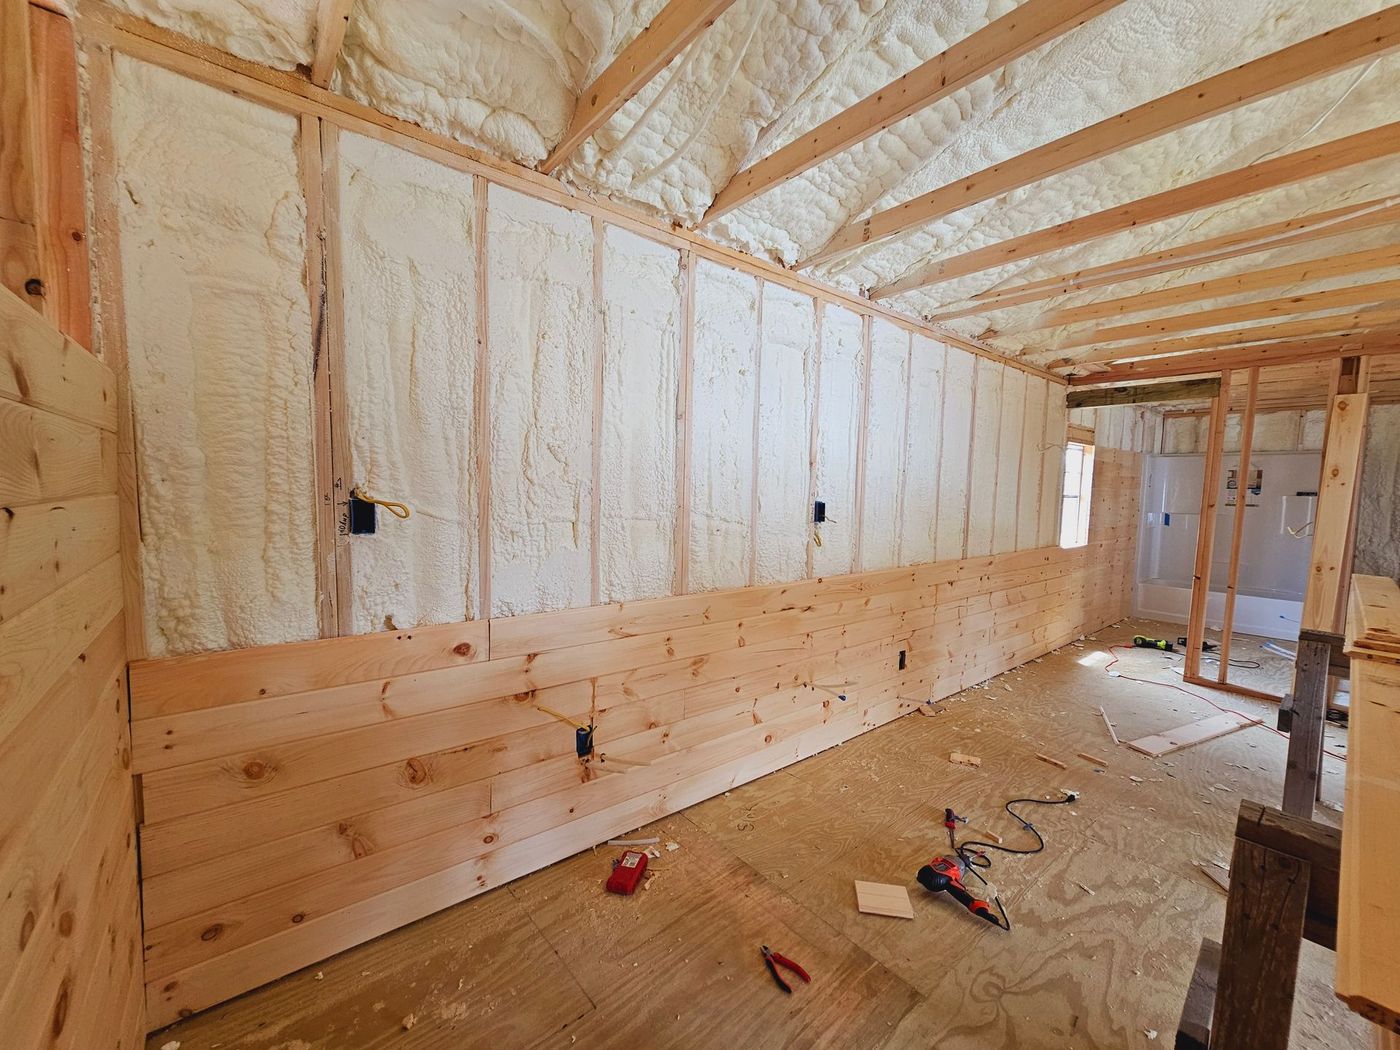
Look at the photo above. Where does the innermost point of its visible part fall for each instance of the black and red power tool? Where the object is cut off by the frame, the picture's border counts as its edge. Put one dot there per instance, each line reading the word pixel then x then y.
pixel 945 874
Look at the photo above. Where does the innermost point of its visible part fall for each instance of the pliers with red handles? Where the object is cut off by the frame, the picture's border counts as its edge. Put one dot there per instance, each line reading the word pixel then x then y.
pixel 773 960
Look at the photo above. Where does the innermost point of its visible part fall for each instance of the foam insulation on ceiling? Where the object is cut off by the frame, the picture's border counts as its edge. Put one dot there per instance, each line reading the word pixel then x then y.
pixel 1008 479
pixel 986 428
pixel 923 439
pixel 722 401
pixel 541 348
pixel 884 445
pixel 786 387
pixel 409 364
pixel 1032 451
pixel 1378 516
pixel 956 454
pixel 641 378
pixel 839 400
pixel 220 349
pixel 277 33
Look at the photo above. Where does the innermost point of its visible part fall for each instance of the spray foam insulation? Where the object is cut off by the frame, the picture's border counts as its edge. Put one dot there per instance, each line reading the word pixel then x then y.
pixel 542 344
pixel 955 455
pixel 884 444
pixel 839 398
pixel 1008 469
pixel 641 379
pixel 505 76
pixel 1378 519
pixel 220 348
pixel 1032 457
pixel 409 364
pixel 787 363
pixel 982 481
pixel 723 395
pixel 923 440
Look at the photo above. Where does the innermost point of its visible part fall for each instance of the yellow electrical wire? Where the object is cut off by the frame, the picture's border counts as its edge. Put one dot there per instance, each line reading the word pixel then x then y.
pixel 398 510
pixel 556 714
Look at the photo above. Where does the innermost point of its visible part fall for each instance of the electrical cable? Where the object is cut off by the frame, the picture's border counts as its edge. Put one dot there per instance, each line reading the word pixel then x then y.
pixel 974 859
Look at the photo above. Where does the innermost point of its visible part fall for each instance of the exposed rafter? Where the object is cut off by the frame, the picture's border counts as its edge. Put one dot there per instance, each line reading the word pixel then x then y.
pixel 1287 306
pixel 1385 256
pixel 1218 189
pixel 1316 226
pixel 332 18
pixel 1357 323
pixel 1286 352
pixel 669 33
pixel 1316 57
pixel 1027 27
pixel 1147 394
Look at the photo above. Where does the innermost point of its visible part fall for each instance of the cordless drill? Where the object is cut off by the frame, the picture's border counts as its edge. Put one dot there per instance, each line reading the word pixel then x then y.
pixel 945 873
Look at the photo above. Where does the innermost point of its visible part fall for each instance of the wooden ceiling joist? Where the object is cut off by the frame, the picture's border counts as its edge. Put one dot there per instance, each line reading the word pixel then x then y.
pixel 1319 56
pixel 1282 352
pixel 1387 255
pixel 669 33
pixel 1027 27
pixel 1317 226
pixel 1148 394
pixel 1311 302
pixel 332 18
pixel 1293 167
pixel 1357 323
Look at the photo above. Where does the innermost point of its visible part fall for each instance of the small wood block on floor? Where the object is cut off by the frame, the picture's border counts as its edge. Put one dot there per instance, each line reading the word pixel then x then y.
pixel 1159 744
pixel 879 898
pixel 959 759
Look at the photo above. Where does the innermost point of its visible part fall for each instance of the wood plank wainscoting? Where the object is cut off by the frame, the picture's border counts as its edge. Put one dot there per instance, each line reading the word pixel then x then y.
pixel 70 960
pixel 300 799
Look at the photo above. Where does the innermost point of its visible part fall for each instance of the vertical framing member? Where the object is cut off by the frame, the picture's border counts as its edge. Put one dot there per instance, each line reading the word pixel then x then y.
pixel 818 320
pixel 683 421
pixel 1205 535
pixel 482 422
pixel 757 428
pixel 858 553
pixel 1237 525
pixel 595 529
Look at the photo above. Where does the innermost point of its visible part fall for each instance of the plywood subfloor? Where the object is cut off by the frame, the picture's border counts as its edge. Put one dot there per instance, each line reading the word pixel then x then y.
pixel 1107 921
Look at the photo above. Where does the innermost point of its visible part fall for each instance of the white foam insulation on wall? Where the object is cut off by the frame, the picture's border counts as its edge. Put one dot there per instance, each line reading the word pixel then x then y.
pixel 220 350
pixel 408 258
pixel 839 401
pixel 541 349
pixel 959 376
pixel 1008 471
pixel 1031 475
pixel 884 445
pixel 278 33
pixel 723 394
pixel 982 482
pixel 923 443
pixel 1378 517
pixel 641 378
pixel 787 369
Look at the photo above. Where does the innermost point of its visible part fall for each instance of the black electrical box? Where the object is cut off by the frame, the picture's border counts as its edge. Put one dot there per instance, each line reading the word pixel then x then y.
pixel 819 511
pixel 362 517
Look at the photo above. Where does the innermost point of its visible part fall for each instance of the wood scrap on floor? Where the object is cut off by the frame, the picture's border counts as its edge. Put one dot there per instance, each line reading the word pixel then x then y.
pixel 1223 881
pixel 1053 761
pixel 1111 731
pixel 959 759
pixel 1158 744
pixel 879 898
pixel 1095 759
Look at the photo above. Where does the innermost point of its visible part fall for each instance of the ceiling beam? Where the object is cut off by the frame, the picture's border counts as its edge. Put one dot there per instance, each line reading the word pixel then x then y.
pixel 1310 302
pixel 1387 255
pixel 332 18
pixel 669 33
pixel 1317 226
pixel 1357 323
pixel 1318 56
pixel 1293 167
pixel 1288 352
pixel 1149 394
pixel 1027 27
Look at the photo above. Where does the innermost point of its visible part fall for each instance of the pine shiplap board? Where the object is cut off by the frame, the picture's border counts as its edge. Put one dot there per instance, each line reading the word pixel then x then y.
pixel 44 456
pixel 42 369
pixel 44 545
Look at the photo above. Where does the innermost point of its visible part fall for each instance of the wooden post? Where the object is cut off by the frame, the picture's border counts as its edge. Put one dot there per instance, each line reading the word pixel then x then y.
pixel 1259 949
pixel 1341 469
pixel 19 236
pixel 1237 526
pixel 1205 535
pixel 1301 777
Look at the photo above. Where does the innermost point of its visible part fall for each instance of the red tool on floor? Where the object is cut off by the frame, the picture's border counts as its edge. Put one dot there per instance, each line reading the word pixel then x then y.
pixel 627 873
pixel 773 960
pixel 944 874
